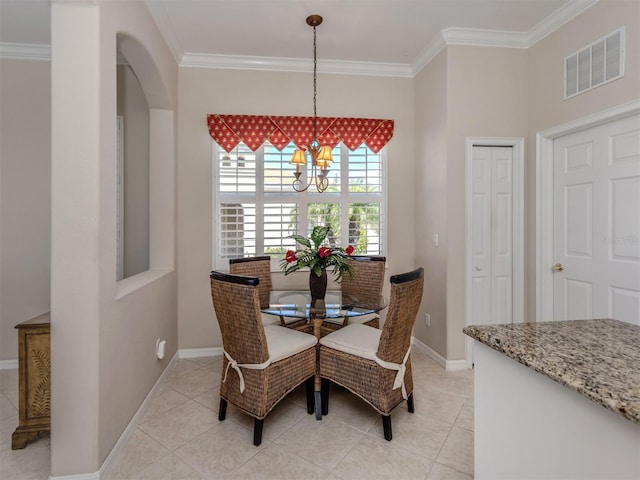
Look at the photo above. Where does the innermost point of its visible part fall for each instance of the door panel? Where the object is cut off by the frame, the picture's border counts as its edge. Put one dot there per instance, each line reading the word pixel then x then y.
pixel 597 222
pixel 623 303
pixel 578 229
pixel 625 219
pixel 502 305
pixel 492 238
pixel 579 299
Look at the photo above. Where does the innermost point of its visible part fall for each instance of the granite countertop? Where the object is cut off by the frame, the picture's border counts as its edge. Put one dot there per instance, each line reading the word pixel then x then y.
pixel 599 358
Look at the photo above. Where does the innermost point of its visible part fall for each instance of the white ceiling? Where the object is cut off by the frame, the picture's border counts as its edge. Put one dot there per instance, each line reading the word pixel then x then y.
pixel 394 34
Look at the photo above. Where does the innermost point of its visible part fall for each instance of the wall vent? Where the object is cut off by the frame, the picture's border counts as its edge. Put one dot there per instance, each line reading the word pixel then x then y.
pixel 599 63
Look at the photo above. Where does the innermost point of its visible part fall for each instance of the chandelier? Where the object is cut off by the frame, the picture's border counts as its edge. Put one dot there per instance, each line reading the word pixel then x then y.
pixel 321 157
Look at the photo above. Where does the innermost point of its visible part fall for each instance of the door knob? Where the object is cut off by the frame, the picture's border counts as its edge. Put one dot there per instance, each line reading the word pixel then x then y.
pixel 558 267
pixel 478 269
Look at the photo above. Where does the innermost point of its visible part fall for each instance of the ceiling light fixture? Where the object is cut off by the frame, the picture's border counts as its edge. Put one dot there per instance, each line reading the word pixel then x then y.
pixel 321 157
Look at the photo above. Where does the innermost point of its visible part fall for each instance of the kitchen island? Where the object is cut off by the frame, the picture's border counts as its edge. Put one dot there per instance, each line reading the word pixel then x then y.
pixel 557 400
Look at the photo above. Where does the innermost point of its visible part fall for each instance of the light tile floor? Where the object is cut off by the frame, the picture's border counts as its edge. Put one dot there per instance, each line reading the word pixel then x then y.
pixel 180 438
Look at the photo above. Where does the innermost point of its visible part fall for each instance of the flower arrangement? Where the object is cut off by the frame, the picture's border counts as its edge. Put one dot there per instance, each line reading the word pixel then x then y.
pixel 317 256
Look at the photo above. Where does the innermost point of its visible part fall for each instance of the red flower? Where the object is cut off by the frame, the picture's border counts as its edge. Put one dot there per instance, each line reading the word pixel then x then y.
pixel 291 256
pixel 349 250
pixel 324 252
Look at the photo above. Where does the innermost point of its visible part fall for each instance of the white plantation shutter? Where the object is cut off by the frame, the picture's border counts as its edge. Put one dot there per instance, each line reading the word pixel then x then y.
pixel 365 171
pixel 256 209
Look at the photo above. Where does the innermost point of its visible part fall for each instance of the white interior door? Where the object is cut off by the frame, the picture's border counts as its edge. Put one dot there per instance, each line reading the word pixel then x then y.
pixel 492 235
pixel 597 222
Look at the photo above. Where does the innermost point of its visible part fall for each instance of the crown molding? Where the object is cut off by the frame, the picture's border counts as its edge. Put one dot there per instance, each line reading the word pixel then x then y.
pixel 504 39
pixel 434 48
pixel 556 20
pixel 25 51
pixel 448 36
pixel 305 65
pixel 484 38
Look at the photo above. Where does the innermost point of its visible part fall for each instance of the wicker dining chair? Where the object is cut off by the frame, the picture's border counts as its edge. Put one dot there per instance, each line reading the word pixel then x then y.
pixel 261 363
pixel 376 364
pixel 259 267
pixel 362 288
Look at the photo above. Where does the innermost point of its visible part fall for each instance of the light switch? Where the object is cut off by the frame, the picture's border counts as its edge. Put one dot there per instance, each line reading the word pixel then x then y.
pixel 435 241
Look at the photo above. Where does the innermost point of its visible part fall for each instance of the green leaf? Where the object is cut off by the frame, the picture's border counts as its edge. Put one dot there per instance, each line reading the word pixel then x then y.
pixel 318 234
pixel 301 240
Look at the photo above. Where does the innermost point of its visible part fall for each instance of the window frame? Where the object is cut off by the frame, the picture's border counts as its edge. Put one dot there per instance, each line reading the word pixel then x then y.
pixel 259 197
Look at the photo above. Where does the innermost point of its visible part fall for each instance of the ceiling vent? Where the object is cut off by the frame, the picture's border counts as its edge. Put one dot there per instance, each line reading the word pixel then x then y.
pixel 599 63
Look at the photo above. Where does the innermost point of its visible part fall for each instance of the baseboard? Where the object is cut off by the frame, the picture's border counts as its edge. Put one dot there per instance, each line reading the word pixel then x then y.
pixel 84 476
pixel 8 364
pixel 453 365
pixel 448 365
pixel 184 353
pixel 199 352
pixel 102 473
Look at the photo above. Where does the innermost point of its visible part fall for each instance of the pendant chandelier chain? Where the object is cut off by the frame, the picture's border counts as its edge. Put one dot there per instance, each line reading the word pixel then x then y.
pixel 320 155
pixel 315 82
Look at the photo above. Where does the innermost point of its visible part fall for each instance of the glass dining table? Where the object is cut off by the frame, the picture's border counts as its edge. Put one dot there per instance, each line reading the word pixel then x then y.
pixel 295 309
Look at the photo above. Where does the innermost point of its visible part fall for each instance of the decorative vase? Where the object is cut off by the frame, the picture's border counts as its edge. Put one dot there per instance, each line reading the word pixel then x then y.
pixel 317 286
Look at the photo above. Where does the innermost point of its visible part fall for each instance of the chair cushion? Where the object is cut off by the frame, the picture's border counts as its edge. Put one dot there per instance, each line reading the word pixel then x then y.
pixel 355 319
pixel 283 342
pixel 289 320
pixel 356 339
pixel 270 319
pixel 363 318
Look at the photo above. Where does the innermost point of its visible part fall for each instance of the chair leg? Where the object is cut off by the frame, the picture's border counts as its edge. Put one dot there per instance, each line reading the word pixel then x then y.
pixel 222 411
pixel 386 424
pixel 311 402
pixel 325 387
pixel 410 406
pixel 257 431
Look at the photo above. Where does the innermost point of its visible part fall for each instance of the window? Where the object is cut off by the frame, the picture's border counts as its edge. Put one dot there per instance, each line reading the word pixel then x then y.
pixel 256 208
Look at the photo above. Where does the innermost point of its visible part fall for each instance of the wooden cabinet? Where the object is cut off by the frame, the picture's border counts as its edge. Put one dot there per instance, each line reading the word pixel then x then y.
pixel 34 380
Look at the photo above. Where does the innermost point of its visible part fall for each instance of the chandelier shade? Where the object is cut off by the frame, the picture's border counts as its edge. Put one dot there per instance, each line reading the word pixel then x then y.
pixel 298 159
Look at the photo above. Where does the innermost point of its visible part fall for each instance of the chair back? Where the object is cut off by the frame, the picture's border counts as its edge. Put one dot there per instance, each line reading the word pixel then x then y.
pixel 237 307
pixel 259 267
pixel 364 288
pixel 404 303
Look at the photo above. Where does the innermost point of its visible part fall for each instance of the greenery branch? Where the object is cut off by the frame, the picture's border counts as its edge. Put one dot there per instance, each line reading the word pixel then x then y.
pixel 316 255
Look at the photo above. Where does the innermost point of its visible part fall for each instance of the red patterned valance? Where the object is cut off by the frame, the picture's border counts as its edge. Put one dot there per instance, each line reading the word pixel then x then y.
pixel 254 130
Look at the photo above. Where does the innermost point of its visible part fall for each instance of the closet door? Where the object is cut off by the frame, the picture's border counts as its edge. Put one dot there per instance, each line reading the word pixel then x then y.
pixel 492 235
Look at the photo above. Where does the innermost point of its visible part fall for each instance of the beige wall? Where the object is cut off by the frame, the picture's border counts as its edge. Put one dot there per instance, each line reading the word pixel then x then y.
pixel 431 199
pixel 463 92
pixel 25 172
pixel 486 97
pixel 204 91
pixel 133 107
pixel 497 92
pixel 547 108
pixel 104 333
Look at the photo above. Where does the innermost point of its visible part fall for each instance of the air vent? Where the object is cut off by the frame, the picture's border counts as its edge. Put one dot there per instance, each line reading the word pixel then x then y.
pixel 599 63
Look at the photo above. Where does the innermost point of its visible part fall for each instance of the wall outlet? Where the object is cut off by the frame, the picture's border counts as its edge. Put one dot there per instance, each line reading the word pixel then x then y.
pixel 427 319
pixel 160 348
